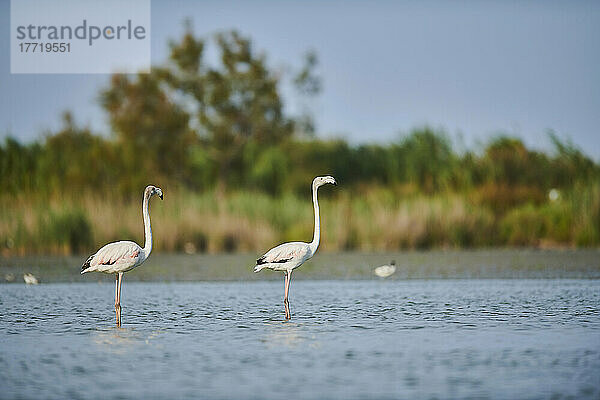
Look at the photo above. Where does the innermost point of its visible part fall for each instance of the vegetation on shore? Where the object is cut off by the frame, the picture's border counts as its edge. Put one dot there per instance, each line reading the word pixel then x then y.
pixel 374 219
pixel 236 172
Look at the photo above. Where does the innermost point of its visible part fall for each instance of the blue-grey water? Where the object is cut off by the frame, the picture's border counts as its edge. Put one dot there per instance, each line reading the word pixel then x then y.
pixel 476 338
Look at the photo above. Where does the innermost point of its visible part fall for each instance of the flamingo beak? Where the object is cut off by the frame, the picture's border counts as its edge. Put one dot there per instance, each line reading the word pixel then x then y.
pixel 161 196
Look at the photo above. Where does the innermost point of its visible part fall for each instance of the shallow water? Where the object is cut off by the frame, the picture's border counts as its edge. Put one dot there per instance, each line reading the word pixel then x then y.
pixel 347 340
pixel 434 264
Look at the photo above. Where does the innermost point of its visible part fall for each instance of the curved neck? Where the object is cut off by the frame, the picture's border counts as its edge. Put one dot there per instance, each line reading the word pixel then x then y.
pixel 317 235
pixel 147 228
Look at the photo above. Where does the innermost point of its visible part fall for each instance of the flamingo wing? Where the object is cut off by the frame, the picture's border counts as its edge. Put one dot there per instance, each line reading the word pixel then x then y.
pixel 114 257
pixel 284 253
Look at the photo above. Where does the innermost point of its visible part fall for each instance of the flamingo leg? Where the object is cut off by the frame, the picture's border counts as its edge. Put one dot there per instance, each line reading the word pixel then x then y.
pixel 119 279
pixel 286 303
pixel 117 297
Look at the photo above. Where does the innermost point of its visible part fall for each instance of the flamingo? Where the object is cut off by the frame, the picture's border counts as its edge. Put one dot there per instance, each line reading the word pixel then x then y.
pixel 385 270
pixel 120 257
pixel 288 256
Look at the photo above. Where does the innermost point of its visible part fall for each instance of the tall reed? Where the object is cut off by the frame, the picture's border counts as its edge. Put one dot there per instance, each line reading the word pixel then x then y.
pixel 370 219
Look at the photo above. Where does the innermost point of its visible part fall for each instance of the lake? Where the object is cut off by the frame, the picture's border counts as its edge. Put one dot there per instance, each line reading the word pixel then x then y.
pixel 460 264
pixel 348 339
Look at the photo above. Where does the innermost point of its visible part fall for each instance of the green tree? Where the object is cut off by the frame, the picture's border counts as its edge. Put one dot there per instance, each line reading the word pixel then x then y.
pixel 74 159
pixel 427 159
pixel 232 103
pixel 152 130
pixel 19 165
pixel 308 85
pixel 570 164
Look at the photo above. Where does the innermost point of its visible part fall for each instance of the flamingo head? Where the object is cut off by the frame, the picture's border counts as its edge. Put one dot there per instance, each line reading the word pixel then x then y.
pixel 322 180
pixel 152 190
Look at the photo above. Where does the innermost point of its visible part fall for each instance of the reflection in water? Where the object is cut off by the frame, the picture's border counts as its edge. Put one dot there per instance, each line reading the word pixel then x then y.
pixel 283 333
pixel 123 340
pixel 289 334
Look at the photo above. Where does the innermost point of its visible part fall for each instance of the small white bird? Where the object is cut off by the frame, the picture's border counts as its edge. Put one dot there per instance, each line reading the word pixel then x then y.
pixel 288 256
pixel 30 279
pixel 119 257
pixel 385 270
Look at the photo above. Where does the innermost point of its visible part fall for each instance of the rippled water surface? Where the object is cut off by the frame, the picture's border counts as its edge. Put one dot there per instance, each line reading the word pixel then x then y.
pixel 347 340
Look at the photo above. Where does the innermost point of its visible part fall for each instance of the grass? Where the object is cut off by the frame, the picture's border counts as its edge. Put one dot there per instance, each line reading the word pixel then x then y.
pixel 372 219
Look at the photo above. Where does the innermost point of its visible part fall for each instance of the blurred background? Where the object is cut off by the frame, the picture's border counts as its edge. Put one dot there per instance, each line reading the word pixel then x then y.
pixel 447 125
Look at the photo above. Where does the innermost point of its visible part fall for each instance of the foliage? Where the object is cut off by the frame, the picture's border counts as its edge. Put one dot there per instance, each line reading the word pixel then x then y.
pixel 192 126
pixel 374 220
pixel 232 103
